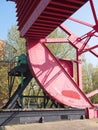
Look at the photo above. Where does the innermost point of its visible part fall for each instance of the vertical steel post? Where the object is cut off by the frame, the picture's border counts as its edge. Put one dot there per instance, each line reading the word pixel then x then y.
pixel 79 70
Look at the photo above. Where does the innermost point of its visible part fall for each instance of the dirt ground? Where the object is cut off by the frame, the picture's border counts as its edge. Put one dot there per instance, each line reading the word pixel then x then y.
pixel 91 124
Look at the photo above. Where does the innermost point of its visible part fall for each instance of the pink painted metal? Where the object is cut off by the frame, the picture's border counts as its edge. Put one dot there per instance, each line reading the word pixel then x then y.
pixel 36 20
pixel 81 43
pixel 91 113
pixel 67 65
pixel 92 93
pixel 53 78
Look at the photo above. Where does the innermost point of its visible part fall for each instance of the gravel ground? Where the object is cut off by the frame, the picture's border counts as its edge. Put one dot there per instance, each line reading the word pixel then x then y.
pixel 91 124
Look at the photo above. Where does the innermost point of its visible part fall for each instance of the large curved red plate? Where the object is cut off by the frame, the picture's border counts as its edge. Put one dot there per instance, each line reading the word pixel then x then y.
pixel 53 78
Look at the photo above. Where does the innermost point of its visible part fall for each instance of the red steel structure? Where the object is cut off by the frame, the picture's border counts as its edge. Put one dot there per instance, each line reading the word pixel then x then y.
pixel 36 20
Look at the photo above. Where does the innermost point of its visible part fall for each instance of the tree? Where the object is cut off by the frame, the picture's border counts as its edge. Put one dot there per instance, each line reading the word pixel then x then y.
pixel 87 71
pixel 3 83
pixel 90 79
pixel 61 50
pixel 94 99
pixel 2 49
pixel 16 45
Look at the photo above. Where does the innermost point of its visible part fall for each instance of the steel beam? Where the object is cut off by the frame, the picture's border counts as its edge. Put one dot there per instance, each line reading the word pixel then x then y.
pixel 37 12
pixel 11 117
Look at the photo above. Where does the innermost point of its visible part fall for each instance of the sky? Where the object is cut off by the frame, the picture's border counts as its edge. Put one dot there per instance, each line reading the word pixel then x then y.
pixel 8 19
pixel 85 14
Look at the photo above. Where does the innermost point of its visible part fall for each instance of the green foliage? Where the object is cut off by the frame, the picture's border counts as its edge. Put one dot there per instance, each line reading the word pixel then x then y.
pixel 90 79
pixel 94 99
pixel 87 70
pixel 16 45
pixel 3 83
pixel 61 50
pixel 33 89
